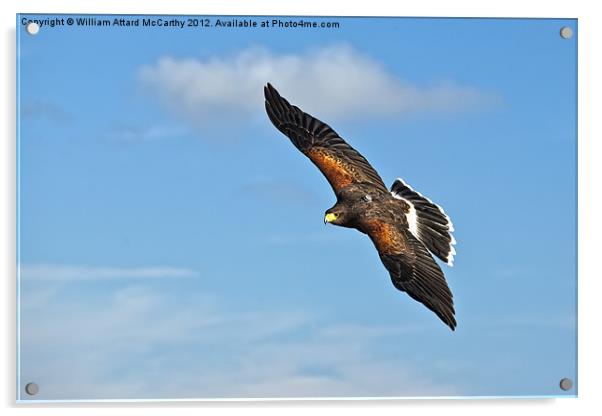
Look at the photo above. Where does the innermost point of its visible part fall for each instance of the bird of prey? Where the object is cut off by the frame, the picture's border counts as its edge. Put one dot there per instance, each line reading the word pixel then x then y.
pixel 404 226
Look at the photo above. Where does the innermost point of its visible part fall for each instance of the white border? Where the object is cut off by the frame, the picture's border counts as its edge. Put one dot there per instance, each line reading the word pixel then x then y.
pixel 589 202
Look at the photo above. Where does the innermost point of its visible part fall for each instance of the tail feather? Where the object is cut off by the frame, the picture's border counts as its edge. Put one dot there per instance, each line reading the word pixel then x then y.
pixel 428 222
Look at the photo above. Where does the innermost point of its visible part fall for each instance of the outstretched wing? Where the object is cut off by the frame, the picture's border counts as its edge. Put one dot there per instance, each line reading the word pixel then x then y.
pixel 340 163
pixel 413 270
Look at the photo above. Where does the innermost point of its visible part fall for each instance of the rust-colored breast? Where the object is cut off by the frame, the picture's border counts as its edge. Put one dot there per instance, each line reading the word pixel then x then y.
pixel 336 170
pixel 386 237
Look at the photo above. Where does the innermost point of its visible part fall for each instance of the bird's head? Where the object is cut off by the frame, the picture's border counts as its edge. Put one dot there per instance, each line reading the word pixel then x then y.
pixel 337 215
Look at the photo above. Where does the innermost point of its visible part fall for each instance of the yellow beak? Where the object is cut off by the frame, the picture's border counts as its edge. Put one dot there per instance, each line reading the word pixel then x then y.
pixel 330 217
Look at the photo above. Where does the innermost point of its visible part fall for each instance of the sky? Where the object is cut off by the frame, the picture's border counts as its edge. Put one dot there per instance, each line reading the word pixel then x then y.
pixel 171 242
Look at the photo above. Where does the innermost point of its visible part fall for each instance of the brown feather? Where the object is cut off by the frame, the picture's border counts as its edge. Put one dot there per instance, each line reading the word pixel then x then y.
pixel 386 237
pixel 337 172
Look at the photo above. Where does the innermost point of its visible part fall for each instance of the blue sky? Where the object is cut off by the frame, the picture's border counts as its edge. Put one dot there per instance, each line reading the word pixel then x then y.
pixel 171 240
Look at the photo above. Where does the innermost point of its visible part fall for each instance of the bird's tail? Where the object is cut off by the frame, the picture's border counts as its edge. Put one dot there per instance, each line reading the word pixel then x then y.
pixel 427 221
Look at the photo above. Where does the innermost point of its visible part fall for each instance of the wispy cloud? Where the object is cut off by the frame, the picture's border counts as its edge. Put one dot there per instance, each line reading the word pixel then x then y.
pixel 336 81
pixel 70 272
pixel 139 341
pixel 134 133
pixel 45 109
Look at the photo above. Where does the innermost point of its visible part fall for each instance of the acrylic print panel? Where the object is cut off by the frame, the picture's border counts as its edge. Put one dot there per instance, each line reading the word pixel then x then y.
pixel 171 222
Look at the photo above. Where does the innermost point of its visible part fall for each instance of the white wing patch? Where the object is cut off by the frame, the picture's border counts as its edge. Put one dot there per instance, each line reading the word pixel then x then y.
pixel 410 216
pixel 452 250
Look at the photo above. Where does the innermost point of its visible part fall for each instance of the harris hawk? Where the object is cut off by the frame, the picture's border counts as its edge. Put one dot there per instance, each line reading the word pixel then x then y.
pixel 405 227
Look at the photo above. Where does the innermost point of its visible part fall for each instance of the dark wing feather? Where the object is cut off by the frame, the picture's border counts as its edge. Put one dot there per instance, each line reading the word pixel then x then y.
pixel 413 270
pixel 340 163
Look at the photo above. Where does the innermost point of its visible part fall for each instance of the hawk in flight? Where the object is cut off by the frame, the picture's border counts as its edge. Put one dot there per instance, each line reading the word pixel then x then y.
pixel 404 226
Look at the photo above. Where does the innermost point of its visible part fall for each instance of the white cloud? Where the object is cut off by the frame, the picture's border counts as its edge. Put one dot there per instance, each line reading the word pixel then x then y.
pixel 329 82
pixel 70 272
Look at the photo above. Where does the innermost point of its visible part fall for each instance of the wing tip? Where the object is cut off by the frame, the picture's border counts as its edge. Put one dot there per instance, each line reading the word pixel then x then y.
pixel 275 106
pixel 448 315
pixel 452 324
pixel 267 89
pixel 279 106
pixel 270 93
